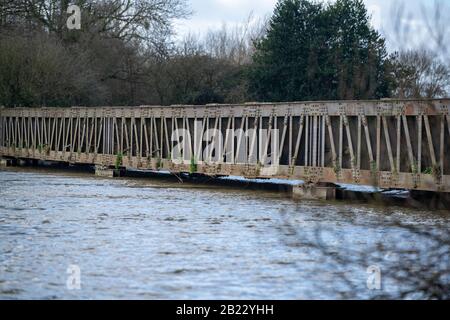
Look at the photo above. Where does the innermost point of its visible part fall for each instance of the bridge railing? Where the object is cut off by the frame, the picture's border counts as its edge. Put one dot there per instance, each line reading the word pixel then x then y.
pixel 388 143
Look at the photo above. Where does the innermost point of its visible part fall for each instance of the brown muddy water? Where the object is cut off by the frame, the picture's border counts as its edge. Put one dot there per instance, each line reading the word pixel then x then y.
pixel 160 239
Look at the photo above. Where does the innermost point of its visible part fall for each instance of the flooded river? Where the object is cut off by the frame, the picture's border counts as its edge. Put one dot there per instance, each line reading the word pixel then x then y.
pixel 158 239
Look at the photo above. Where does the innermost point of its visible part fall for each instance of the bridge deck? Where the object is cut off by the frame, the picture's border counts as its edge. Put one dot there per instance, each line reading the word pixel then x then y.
pixel 389 144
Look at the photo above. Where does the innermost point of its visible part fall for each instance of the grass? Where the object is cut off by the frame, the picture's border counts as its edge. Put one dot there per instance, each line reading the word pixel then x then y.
pixel 193 166
pixel 119 160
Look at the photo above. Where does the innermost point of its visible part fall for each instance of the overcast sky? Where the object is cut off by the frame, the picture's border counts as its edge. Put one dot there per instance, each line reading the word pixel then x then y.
pixel 212 14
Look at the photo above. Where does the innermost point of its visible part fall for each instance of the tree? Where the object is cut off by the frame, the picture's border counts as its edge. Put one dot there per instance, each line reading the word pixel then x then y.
pixel 104 63
pixel 235 43
pixel 358 53
pixel 317 52
pixel 201 79
pixel 40 71
pixel 420 74
pixel 146 20
pixel 282 59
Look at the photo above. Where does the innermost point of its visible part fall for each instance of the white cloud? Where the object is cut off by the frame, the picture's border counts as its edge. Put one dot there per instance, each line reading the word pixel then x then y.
pixel 233 4
pixel 212 14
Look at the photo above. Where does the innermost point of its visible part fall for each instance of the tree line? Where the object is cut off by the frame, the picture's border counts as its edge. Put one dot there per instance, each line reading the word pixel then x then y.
pixel 125 54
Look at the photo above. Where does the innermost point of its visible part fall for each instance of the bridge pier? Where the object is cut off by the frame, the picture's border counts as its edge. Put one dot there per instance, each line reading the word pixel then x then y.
pixel 5 162
pixel 314 192
pixel 106 172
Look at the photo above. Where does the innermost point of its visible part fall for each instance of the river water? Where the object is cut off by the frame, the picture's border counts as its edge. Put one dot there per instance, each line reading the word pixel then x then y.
pixel 157 239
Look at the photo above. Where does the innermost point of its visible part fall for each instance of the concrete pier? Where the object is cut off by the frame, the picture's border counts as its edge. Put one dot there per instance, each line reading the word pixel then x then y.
pixel 313 192
pixel 105 172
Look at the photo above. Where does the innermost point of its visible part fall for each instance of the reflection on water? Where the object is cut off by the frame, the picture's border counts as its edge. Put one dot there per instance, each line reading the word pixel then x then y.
pixel 151 239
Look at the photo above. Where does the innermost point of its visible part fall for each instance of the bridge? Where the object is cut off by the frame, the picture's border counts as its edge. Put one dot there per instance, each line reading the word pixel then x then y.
pixel 392 144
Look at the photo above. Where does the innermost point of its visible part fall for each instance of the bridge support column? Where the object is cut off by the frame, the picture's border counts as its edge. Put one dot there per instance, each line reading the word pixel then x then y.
pixel 105 172
pixel 314 192
pixel 5 162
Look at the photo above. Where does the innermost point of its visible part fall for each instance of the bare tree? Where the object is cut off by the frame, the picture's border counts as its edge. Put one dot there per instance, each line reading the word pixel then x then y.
pixel 146 20
pixel 436 21
pixel 421 68
pixel 413 260
pixel 420 74
pixel 113 50
pixel 235 43
pixel 40 71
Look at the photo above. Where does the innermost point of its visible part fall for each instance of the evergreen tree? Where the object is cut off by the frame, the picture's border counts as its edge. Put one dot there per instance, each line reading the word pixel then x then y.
pixel 317 52
pixel 290 54
pixel 358 53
